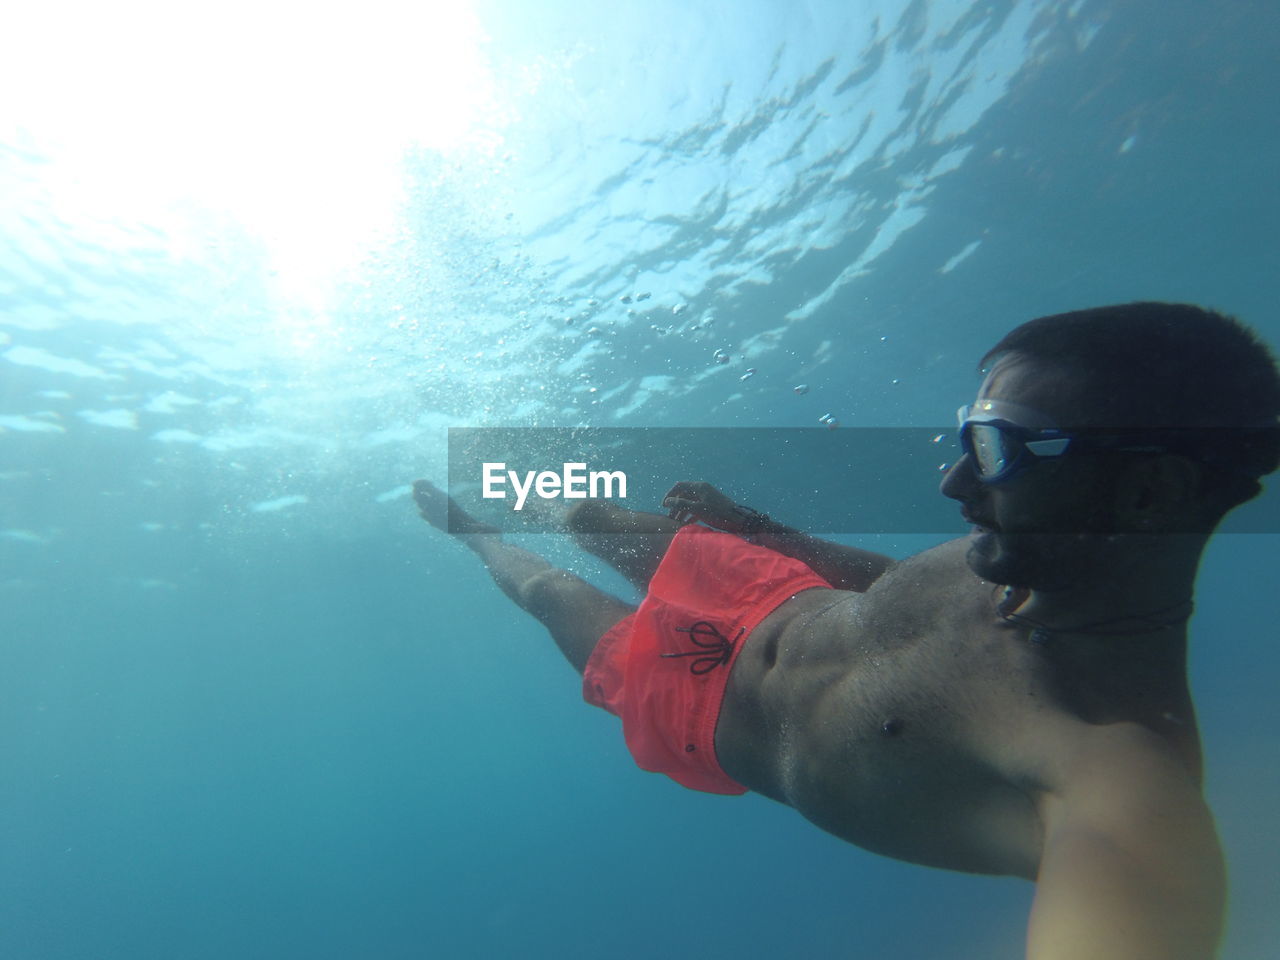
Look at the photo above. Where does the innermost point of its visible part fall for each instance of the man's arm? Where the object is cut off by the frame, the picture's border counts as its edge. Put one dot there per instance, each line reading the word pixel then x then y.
pixel 1131 868
pixel 845 568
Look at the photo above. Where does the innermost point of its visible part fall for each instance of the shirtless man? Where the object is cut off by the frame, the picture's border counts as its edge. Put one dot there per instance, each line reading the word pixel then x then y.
pixel 1013 702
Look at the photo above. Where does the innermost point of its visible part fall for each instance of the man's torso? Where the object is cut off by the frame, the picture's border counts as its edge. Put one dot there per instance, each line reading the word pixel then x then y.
pixel 910 720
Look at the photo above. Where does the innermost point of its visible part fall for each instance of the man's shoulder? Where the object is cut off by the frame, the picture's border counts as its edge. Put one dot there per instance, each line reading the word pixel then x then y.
pixel 1065 756
pixel 952 558
pixel 947 558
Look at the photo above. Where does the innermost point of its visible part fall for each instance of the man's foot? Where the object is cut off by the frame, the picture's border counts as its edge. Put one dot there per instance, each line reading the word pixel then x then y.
pixel 440 510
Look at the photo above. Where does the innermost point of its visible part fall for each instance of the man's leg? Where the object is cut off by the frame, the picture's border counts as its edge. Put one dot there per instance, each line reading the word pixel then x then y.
pixel 576 613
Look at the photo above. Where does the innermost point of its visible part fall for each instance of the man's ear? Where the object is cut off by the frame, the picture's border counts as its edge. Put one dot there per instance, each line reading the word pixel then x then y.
pixel 1158 489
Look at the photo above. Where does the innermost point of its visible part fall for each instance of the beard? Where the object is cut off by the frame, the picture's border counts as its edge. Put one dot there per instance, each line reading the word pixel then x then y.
pixel 1070 547
pixel 1040 561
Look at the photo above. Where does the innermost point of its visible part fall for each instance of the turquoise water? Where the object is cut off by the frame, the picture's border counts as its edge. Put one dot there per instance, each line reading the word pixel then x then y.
pixel 256 262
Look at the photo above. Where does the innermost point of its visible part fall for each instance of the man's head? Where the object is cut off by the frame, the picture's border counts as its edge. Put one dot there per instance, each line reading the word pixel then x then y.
pixel 1141 418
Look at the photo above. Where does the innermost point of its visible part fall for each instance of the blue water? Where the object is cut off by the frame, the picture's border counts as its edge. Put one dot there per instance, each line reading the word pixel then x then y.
pixel 250 706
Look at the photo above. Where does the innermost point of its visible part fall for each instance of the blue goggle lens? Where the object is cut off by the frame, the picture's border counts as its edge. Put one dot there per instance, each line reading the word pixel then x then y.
pixel 993 451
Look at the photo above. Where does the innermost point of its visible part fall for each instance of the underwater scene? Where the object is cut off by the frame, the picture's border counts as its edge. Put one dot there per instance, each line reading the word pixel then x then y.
pixel 259 263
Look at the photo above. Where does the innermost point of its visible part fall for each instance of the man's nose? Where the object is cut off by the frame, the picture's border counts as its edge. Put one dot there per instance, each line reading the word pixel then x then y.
pixel 960 482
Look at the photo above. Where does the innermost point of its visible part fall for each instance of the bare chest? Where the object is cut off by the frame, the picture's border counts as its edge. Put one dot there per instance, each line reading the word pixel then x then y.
pixel 894 724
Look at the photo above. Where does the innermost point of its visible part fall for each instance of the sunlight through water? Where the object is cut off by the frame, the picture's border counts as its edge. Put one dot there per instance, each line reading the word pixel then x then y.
pixel 290 119
pixel 335 234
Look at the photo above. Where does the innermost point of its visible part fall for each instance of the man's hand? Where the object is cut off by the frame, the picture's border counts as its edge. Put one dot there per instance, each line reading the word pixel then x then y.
pixel 845 568
pixel 691 501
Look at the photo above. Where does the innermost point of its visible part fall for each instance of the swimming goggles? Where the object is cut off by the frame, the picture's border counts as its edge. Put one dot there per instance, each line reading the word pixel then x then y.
pixel 1003 439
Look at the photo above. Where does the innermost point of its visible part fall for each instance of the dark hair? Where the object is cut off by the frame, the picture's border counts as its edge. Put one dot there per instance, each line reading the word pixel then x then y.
pixel 1170 366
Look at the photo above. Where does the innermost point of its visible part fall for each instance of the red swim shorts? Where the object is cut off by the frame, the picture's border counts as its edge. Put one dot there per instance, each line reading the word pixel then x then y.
pixel 664 668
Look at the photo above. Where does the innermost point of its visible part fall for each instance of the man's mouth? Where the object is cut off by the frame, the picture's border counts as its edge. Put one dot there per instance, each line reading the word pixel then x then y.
pixel 979 525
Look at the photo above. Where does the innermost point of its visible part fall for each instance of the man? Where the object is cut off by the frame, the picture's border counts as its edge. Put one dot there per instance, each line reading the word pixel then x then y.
pixel 1013 702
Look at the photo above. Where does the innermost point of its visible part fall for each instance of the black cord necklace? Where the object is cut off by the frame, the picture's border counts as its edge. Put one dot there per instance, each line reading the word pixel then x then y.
pixel 1150 622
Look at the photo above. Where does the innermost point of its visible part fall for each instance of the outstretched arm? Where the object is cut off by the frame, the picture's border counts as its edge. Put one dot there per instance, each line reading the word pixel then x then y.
pixel 845 568
pixel 1131 868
